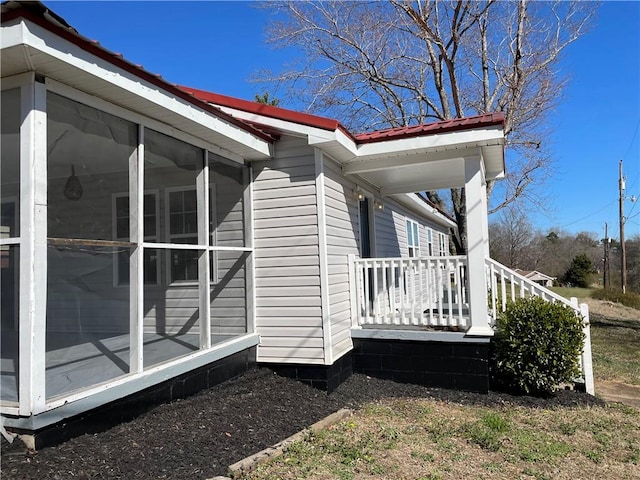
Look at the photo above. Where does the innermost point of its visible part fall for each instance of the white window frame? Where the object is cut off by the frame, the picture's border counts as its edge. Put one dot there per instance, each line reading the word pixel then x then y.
pixel 443 238
pixel 413 248
pixel 430 235
pixel 211 235
pixel 169 236
pixel 114 225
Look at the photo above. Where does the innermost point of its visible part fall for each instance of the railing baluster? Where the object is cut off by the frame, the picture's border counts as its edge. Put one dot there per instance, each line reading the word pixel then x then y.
pixel 494 291
pixel 503 280
pixel 403 289
pixel 367 291
pixel 392 293
pixel 388 313
pixel 358 292
pixel 449 292
pixel 430 295
pixel 422 289
pixel 374 291
pixel 440 293
pixel 412 275
pixel 458 279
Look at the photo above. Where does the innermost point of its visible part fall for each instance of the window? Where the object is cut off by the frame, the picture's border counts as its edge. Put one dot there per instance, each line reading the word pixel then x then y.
pixel 121 232
pixel 444 244
pixel 182 210
pixel 413 242
pixel 430 241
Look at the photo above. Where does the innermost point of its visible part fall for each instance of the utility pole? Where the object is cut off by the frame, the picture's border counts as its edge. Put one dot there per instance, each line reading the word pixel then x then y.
pixel 623 251
pixel 607 246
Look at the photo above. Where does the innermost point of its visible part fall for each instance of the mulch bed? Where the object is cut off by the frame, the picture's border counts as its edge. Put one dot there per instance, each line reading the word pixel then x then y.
pixel 201 436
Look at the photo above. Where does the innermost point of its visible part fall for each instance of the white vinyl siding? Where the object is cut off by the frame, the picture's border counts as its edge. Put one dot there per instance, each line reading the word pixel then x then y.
pixel 391 230
pixel 287 265
pixel 343 233
pixel 228 297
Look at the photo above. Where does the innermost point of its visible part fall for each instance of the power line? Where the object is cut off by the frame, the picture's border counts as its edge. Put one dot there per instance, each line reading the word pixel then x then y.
pixel 635 132
pixel 632 139
pixel 589 215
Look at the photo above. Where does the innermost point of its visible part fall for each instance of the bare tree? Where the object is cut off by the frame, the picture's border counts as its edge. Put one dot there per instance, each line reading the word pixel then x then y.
pixel 511 239
pixel 377 65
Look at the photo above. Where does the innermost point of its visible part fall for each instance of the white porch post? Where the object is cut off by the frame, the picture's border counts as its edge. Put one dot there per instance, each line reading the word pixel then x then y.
pixel 33 247
pixel 477 246
pixel 485 217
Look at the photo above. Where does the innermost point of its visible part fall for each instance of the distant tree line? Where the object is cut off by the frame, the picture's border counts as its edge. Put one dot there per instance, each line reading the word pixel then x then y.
pixel 517 244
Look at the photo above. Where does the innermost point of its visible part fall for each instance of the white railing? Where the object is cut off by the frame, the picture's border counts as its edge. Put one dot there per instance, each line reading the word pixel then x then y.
pixel 505 285
pixel 410 292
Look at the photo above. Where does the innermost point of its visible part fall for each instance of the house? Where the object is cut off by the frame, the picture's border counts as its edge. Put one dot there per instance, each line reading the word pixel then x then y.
pixel 538 277
pixel 157 239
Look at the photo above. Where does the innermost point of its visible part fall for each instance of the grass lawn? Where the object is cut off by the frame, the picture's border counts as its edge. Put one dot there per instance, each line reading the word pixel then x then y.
pixel 568 292
pixel 430 439
pixel 615 345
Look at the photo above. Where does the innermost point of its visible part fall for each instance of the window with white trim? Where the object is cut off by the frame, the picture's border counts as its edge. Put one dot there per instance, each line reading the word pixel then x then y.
pixel 430 241
pixel 413 240
pixel 444 244
pixel 182 227
pixel 121 232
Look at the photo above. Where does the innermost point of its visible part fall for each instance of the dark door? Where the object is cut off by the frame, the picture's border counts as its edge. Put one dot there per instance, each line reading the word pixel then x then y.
pixel 365 229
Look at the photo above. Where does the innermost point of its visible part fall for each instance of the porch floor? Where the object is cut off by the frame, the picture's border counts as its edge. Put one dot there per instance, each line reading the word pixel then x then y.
pixel 80 360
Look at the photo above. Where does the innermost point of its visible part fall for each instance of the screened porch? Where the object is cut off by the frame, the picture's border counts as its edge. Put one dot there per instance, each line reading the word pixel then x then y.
pixel 136 246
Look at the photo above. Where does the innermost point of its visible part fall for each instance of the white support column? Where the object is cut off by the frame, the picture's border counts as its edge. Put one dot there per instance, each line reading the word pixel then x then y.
pixel 33 247
pixel 324 264
pixel 477 242
pixel 204 267
pixel 250 271
pixel 485 217
pixel 136 262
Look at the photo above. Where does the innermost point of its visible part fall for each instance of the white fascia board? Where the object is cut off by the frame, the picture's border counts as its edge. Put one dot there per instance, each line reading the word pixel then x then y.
pixel 50 44
pixel 433 143
pixel 338 144
pixel 12 35
pixel 413 202
pixel 326 140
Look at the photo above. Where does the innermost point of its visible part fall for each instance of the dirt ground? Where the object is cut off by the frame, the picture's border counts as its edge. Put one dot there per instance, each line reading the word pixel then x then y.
pixel 611 310
pixel 201 436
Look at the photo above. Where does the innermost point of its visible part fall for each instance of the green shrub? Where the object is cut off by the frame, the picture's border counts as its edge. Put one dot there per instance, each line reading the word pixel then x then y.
pixel 536 347
pixel 629 299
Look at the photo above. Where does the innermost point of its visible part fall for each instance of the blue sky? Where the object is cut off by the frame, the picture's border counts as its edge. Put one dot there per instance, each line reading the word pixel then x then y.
pixel 217 46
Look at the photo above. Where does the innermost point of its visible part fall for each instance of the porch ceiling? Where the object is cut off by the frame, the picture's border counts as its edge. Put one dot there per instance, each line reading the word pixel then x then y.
pixel 429 168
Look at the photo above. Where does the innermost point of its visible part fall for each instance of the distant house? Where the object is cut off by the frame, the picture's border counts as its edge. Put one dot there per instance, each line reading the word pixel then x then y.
pixel 157 239
pixel 538 277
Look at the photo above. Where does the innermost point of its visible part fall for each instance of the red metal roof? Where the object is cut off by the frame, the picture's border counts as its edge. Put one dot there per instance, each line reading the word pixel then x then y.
pixel 442 126
pixel 40 14
pixel 330 124
pixel 268 110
